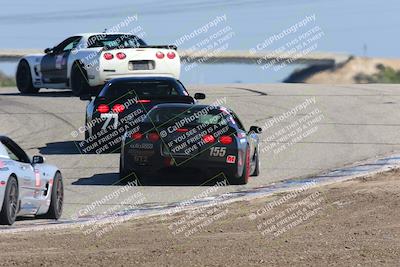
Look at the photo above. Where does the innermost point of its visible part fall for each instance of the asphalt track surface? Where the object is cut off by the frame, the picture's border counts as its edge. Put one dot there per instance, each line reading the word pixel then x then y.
pixel 354 122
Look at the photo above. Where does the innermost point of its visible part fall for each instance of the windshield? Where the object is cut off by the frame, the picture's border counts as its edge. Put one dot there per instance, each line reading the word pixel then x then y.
pixel 110 41
pixel 142 89
pixel 207 115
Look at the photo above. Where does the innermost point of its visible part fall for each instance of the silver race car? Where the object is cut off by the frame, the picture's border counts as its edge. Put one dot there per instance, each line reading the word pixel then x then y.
pixel 27 188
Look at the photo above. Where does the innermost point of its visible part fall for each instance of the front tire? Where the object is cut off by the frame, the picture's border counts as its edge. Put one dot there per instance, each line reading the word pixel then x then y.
pixel 79 80
pixel 24 79
pixel 57 199
pixel 9 210
pixel 256 171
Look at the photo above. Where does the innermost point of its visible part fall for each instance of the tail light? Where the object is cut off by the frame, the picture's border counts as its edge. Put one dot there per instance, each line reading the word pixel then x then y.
pixel 171 55
pixel 168 162
pixel 137 136
pixel 37 178
pixel 108 56
pixel 118 108
pixel 121 55
pixel 226 140
pixel 144 101
pixel 153 137
pixel 103 108
pixel 160 55
pixel 182 130
pixel 208 138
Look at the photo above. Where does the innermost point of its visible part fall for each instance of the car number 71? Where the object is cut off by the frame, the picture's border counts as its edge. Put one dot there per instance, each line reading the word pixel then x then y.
pixel 109 117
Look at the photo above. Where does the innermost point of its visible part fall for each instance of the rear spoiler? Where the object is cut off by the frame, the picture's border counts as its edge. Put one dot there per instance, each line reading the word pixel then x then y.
pixel 148 126
pixel 174 47
pixel 172 99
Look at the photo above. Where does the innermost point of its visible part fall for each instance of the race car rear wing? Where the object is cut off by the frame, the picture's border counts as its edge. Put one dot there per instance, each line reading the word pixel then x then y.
pixel 174 47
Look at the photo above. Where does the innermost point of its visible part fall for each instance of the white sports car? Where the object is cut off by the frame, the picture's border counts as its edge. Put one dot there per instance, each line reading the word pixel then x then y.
pixel 27 187
pixel 86 61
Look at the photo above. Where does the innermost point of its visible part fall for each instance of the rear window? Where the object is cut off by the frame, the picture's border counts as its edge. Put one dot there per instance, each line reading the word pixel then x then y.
pixel 142 89
pixel 208 116
pixel 110 41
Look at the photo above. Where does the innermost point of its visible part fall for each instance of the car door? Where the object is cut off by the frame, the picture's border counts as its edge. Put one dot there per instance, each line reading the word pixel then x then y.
pixel 54 65
pixel 26 177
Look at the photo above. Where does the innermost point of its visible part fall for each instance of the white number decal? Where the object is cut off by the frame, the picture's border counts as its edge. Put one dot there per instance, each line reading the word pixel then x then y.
pixel 218 151
pixel 109 117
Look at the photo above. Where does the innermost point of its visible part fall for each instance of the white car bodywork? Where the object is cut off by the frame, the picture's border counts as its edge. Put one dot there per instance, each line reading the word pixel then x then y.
pixel 35 182
pixel 98 68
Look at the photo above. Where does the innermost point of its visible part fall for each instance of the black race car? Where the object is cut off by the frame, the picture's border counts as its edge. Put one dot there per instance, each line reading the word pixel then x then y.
pixel 203 137
pixel 122 105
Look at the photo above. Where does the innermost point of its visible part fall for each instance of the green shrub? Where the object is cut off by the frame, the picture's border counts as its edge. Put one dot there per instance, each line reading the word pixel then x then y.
pixel 6 81
pixel 385 75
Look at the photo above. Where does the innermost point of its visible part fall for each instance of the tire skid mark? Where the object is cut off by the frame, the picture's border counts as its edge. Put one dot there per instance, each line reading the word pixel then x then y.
pixel 260 93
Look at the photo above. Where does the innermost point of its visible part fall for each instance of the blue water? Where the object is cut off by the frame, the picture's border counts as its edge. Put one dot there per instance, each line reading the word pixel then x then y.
pixel 360 27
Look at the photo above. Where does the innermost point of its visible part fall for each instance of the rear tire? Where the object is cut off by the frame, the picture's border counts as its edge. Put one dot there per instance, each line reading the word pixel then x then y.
pixel 24 79
pixel 87 136
pixel 256 171
pixel 128 176
pixel 122 173
pixel 57 199
pixel 86 130
pixel 79 80
pixel 9 210
pixel 244 178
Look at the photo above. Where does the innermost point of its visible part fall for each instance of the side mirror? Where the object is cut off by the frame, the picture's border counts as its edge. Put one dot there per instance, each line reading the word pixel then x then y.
pixel 38 159
pixel 48 50
pixel 255 129
pixel 199 96
pixel 85 97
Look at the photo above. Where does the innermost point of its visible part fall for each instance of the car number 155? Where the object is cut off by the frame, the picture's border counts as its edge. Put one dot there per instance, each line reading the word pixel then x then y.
pixel 218 151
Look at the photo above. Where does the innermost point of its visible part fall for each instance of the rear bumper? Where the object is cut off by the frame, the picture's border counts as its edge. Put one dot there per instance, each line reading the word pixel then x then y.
pixel 109 71
pixel 146 164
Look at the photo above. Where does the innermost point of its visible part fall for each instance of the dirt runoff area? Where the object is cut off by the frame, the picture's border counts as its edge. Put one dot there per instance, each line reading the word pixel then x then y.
pixel 354 223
